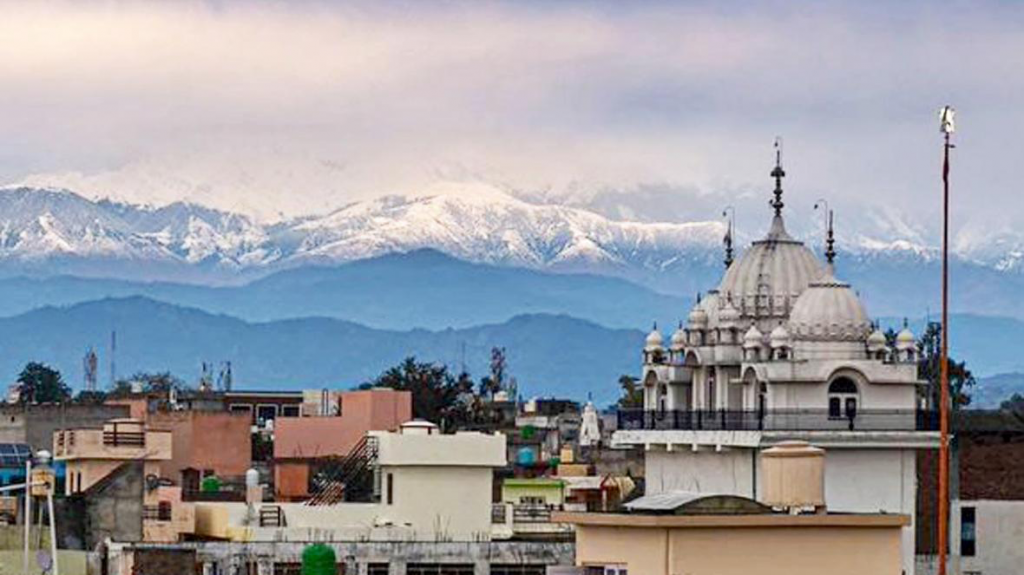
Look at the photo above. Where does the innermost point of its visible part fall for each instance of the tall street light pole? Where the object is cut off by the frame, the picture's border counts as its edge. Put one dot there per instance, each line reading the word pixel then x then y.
pixel 947 127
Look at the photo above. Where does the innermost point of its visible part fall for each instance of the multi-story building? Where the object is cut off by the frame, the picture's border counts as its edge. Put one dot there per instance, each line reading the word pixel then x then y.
pixel 780 350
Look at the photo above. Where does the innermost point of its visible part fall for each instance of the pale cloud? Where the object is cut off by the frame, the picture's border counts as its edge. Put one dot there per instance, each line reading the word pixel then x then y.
pixel 384 96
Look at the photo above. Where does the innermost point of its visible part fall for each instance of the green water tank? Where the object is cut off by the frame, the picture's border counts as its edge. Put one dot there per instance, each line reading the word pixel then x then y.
pixel 210 484
pixel 319 559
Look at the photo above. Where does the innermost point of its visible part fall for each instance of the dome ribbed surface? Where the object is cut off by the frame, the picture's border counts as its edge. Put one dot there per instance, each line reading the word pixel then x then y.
pixel 783 265
pixel 829 309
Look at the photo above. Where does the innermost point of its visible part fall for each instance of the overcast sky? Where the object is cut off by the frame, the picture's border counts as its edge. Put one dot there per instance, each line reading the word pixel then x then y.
pixel 536 95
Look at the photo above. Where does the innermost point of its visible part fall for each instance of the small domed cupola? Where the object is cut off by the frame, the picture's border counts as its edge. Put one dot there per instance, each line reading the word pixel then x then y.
pixel 780 342
pixel 654 340
pixel 698 318
pixel 678 342
pixel 906 344
pixel 753 338
pixel 779 337
pixel 876 342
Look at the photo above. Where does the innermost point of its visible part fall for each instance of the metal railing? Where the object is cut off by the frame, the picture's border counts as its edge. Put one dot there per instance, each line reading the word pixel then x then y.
pixel 156 513
pixel 124 438
pixel 778 420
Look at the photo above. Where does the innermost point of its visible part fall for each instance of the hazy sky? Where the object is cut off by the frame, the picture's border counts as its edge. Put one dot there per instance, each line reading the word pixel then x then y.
pixel 382 95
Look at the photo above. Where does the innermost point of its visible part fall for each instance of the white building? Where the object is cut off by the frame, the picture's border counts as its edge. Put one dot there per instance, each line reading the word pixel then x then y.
pixel 426 486
pixel 782 350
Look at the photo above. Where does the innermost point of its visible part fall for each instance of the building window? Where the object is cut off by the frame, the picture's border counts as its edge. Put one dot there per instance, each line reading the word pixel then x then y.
pixel 290 411
pixel 968 532
pixel 377 569
pixel 842 398
pixel 439 569
pixel 265 413
pixel 532 500
pixel 391 489
pixel 517 569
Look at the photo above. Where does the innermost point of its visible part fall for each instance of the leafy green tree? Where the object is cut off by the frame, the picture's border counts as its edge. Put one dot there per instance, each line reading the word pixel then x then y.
pixel 961 380
pixel 632 393
pixel 437 396
pixel 39 383
pixel 158 382
pixel 1015 404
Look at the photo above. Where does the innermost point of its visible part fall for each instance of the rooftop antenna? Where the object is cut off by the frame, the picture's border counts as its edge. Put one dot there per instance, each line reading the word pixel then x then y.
pixel 830 240
pixel 729 210
pixel 778 173
pixel 113 358
pixel 90 365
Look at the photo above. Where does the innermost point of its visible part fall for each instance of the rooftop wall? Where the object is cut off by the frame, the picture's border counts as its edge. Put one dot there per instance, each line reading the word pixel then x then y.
pixel 220 441
pixel 35 424
pixel 361 412
pixel 461 449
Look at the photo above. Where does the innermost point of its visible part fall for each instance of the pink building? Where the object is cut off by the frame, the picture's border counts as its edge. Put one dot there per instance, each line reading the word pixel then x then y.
pixel 297 440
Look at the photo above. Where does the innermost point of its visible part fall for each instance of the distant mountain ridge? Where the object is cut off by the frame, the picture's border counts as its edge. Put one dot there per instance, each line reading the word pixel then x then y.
pixel 548 354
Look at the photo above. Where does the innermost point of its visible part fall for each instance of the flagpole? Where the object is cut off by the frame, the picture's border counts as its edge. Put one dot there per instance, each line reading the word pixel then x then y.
pixel 946 116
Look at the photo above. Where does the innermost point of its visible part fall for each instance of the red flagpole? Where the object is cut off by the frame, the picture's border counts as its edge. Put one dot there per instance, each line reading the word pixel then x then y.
pixel 944 400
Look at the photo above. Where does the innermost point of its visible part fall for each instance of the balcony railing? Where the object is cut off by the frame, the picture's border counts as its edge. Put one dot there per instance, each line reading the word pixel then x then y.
pixel 156 512
pixel 124 438
pixel 779 420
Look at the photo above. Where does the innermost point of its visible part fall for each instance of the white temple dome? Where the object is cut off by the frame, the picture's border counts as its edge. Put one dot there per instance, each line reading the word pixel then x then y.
pixel 753 337
pixel 829 309
pixel 654 340
pixel 678 339
pixel 905 339
pixel 782 264
pixel 698 318
pixel 779 337
pixel 876 341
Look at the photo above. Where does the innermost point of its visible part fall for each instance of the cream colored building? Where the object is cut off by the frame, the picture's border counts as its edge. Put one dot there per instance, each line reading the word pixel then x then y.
pixel 91 455
pixel 738 544
pixel 790 532
pixel 783 349
pixel 428 486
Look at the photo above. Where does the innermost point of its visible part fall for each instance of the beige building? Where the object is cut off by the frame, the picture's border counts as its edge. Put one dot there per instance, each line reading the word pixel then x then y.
pixel 92 454
pixel 789 532
pixel 615 544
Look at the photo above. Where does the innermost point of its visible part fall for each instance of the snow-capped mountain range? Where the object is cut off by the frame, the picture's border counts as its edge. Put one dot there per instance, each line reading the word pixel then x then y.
pixel 50 231
pixel 42 229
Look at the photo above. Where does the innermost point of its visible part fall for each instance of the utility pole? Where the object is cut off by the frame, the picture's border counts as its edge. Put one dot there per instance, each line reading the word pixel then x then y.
pixel 947 127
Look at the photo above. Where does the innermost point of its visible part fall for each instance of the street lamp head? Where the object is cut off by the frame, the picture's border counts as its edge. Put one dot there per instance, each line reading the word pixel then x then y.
pixel 946 125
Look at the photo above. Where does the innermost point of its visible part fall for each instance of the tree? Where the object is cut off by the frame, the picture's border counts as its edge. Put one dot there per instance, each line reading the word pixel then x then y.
pixel 39 383
pixel 492 384
pixel 436 395
pixel 961 380
pixel 632 394
pixel 159 383
pixel 1015 404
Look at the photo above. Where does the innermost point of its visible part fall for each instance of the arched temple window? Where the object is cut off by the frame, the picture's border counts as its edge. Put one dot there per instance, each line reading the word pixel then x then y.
pixel 842 398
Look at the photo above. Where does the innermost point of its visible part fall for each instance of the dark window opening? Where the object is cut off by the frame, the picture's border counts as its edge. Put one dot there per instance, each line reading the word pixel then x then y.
pixel 968 532
pixel 439 569
pixel 391 489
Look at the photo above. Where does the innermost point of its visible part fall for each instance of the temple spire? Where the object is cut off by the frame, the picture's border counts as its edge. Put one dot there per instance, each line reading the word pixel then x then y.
pixel 830 242
pixel 728 235
pixel 778 173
